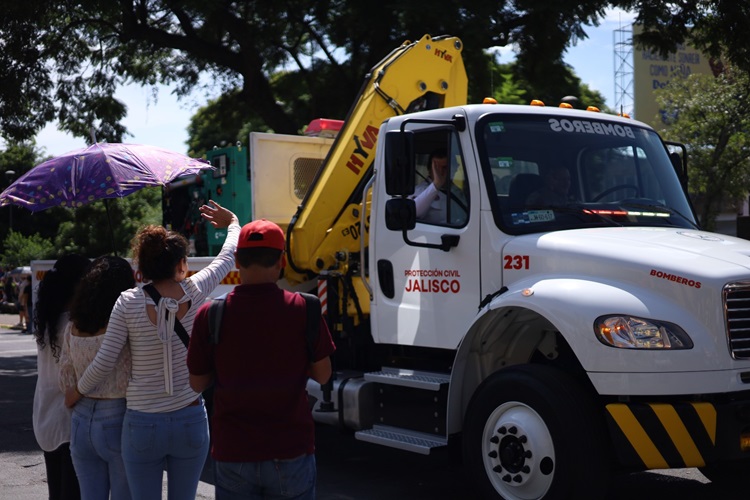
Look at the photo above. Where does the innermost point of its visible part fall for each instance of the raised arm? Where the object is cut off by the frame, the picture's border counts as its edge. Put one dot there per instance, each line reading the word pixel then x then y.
pixel 208 278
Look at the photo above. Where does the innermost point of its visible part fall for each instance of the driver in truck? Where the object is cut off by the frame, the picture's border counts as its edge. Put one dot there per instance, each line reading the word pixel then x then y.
pixel 431 195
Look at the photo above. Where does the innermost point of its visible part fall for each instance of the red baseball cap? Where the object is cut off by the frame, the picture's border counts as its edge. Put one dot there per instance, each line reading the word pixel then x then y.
pixel 261 233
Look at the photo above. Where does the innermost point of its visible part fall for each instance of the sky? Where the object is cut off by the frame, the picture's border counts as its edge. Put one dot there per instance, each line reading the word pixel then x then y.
pixel 163 122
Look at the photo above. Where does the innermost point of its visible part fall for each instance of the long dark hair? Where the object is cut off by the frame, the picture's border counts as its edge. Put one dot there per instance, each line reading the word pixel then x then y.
pixel 55 291
pixel 98 291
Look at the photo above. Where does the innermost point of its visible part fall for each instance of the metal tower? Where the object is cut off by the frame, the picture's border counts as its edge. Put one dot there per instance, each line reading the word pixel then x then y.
pixel 623 44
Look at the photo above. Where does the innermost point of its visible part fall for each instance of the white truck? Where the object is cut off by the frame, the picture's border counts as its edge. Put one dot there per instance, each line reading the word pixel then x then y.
pixel 555 341
pixel 555 336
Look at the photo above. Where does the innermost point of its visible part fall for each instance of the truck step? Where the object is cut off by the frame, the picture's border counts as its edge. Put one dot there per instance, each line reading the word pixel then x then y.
pixel 409 378
pixel 403 439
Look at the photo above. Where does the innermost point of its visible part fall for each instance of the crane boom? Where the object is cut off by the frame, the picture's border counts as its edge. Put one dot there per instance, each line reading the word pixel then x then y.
pixel 425 74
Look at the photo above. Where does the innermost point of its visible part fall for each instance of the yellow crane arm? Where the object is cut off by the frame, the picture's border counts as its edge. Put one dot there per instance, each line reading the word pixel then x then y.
pixel 426 74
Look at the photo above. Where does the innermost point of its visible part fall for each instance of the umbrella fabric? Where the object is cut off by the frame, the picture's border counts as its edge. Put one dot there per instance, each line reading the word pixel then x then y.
pixel 99 171
pixel 21 270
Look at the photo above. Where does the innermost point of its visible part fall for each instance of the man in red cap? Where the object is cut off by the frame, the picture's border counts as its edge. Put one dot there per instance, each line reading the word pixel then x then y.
pixel 263 434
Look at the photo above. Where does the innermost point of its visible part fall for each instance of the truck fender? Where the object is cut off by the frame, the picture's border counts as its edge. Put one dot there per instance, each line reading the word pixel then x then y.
pixel 535 316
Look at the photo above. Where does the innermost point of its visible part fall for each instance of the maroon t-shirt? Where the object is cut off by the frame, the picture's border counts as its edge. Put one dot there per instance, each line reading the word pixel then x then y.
pixel 261 368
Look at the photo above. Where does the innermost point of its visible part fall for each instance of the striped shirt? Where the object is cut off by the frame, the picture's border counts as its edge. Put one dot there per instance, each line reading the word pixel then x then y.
pixel 160 380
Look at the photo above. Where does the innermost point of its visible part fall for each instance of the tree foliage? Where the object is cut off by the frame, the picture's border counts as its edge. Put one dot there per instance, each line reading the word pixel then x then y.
pixel 287 62
pixel 20 250
pixel 514 89
pixel 717 27
pixel 277 65
pixel 93 231
pixel 711 115
pixel 220 123
pixel 65 59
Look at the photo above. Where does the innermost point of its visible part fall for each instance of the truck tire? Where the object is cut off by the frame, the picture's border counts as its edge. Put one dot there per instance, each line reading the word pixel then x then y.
pixel 728 475
pixel 532 432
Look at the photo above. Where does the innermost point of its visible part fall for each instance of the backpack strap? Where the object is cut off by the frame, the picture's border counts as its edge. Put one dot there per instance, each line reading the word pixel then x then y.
pixel 215 315
pixel 178 328
pixel 313 323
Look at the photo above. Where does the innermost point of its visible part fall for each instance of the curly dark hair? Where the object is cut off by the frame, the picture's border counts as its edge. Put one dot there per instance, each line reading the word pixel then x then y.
pixel 98 291
pixel 53 298
pixel 158 251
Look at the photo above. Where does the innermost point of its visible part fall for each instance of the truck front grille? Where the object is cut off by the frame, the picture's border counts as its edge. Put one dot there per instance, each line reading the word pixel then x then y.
pixel 737 314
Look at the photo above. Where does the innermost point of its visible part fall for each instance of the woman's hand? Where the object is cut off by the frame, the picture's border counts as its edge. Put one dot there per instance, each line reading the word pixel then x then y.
pixel 217 215
pixel 72 396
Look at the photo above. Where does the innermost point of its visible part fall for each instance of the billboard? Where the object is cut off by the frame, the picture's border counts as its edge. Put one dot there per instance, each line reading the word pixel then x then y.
pixel 652 71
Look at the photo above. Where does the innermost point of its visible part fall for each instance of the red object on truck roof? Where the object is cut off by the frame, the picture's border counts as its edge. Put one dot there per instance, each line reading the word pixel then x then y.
pixel 324 127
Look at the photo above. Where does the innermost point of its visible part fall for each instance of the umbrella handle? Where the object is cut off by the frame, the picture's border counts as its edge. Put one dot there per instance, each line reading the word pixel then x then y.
pixel 111 230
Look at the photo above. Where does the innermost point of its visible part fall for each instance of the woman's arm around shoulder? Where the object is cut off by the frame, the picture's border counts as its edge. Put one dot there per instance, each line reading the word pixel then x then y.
pixel 67 371
pixel 113 343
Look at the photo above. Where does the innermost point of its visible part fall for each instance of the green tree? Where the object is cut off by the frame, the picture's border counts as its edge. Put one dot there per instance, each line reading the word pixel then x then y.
pixel 220 123
pixel 717 27
pixel 65 59
pixel 513 88
pixel 20 250
pixel 711 115
pixel 92 232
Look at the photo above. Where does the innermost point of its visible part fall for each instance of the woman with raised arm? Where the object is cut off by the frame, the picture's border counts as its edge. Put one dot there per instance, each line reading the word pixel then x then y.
pixel 165 425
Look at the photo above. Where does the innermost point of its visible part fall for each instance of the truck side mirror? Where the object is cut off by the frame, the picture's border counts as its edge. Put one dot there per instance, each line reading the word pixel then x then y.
pixel 679 162
pixel 399 163
pixel 679 167
pixel 676 161
pixel 400 214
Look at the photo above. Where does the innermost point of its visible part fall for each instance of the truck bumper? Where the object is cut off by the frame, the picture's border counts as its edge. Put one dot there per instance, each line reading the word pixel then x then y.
pixel 658 435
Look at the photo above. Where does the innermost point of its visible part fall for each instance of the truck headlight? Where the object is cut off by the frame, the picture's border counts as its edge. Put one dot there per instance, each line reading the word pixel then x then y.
pixel 629 332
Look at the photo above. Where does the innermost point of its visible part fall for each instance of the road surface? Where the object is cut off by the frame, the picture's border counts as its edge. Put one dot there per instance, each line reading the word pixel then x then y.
pixel 347 469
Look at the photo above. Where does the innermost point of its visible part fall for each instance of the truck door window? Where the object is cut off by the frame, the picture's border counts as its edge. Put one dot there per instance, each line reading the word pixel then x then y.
pixel 442 190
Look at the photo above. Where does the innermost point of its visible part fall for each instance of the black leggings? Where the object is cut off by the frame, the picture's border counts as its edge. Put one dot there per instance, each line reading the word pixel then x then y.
pixel 61 476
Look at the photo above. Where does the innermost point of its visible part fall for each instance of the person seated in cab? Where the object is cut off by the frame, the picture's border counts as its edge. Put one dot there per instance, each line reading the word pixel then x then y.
pixel 431 196
pixel 556 189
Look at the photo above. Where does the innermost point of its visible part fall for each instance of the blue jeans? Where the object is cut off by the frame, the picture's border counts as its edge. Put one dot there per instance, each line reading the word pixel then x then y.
pixel 95 437
pixel 177 440
pixel 272 479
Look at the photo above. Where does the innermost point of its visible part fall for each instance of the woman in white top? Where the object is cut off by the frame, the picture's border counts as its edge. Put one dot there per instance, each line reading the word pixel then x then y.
pixel 51 420
pixel 165 423
pixel 96 431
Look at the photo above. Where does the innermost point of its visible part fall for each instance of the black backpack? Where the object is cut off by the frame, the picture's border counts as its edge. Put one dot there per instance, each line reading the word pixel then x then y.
pixel 216 313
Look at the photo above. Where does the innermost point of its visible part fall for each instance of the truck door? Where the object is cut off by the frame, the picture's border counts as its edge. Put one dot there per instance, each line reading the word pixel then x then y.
pixel 426 296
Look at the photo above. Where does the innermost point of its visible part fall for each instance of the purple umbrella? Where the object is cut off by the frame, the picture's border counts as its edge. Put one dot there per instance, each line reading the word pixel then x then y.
pixel 97 172
pixel 100 171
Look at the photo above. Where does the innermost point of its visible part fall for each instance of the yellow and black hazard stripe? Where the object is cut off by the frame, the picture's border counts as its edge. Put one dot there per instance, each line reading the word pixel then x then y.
pixel 663 436
pixel 232 278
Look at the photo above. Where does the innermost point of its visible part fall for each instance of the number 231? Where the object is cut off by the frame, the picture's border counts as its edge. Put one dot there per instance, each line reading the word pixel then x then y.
pixel 516 262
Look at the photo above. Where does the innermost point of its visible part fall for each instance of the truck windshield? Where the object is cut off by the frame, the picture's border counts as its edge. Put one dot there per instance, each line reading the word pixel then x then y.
pixel 548 173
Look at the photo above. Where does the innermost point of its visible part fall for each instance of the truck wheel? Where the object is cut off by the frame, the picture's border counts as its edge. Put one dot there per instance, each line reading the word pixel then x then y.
pixel 729 475
pixel 532 432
